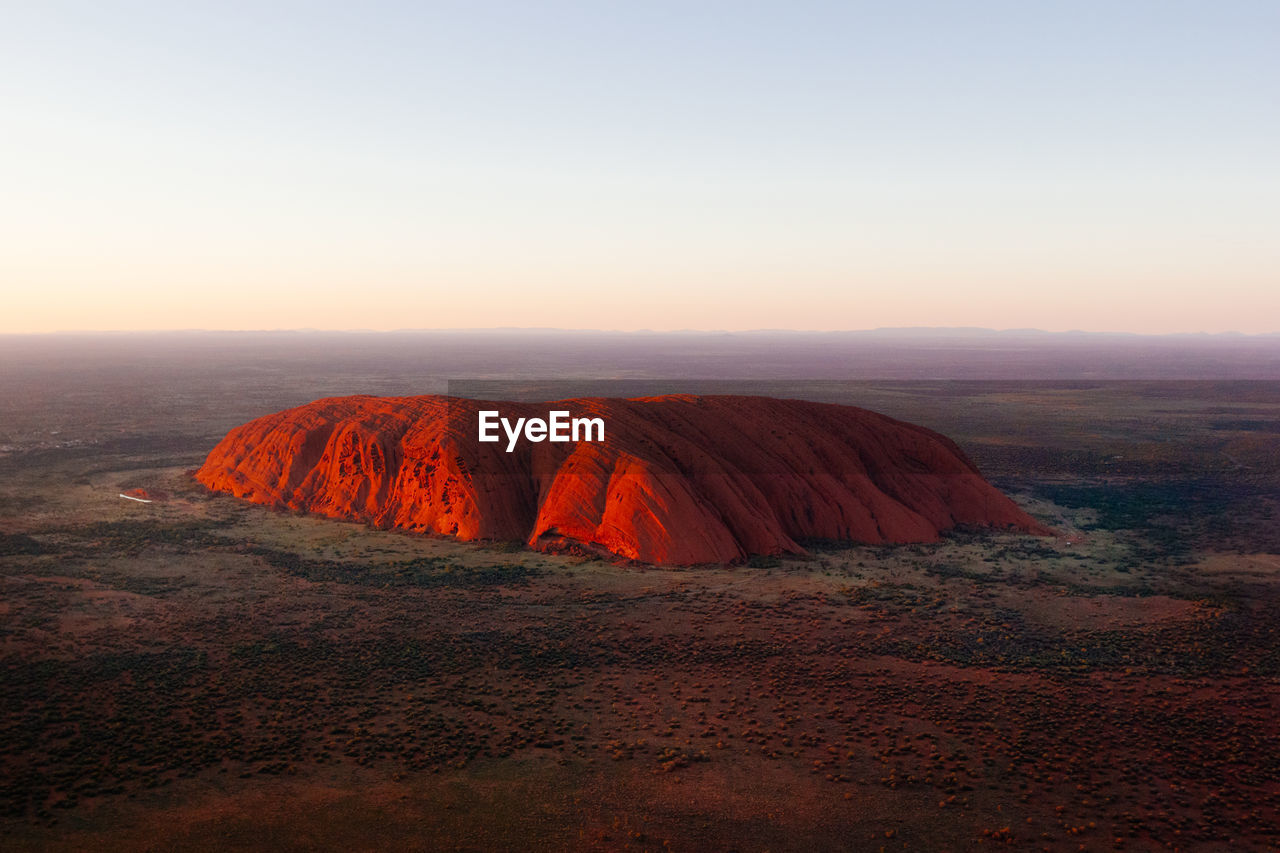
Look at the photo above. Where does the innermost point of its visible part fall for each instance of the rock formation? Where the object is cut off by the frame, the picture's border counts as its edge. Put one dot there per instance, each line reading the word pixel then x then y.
pixel 678 480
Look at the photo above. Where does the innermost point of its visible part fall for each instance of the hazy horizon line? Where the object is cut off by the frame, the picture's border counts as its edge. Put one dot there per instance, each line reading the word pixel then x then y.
pixel 646 331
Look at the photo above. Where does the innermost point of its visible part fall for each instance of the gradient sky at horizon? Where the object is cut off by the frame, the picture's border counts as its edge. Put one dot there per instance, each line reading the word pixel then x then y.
pixel 1103 166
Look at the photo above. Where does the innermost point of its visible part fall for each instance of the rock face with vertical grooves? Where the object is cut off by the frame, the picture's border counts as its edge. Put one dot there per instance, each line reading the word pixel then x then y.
pixel 678 480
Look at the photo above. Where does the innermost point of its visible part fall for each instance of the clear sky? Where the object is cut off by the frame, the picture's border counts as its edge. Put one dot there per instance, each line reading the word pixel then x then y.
pixel 619 165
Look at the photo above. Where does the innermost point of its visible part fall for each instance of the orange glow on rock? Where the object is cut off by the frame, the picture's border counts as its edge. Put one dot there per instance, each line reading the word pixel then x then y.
pixel 679 480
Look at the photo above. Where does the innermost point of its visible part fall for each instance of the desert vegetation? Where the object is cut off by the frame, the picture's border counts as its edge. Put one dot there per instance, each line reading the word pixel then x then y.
pixel 195 671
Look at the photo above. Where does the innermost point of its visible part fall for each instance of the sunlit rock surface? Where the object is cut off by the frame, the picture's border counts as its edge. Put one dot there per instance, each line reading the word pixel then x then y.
pixel 678 480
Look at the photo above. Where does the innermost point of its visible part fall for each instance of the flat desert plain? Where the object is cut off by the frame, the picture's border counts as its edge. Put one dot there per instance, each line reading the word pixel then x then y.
pixel 201 673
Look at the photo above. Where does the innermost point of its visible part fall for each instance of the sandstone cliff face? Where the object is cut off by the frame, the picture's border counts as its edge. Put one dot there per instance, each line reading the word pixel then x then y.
pixel 679 480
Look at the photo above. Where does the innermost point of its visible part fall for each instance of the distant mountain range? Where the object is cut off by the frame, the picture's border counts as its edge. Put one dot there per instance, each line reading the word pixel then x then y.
pixel 550 354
